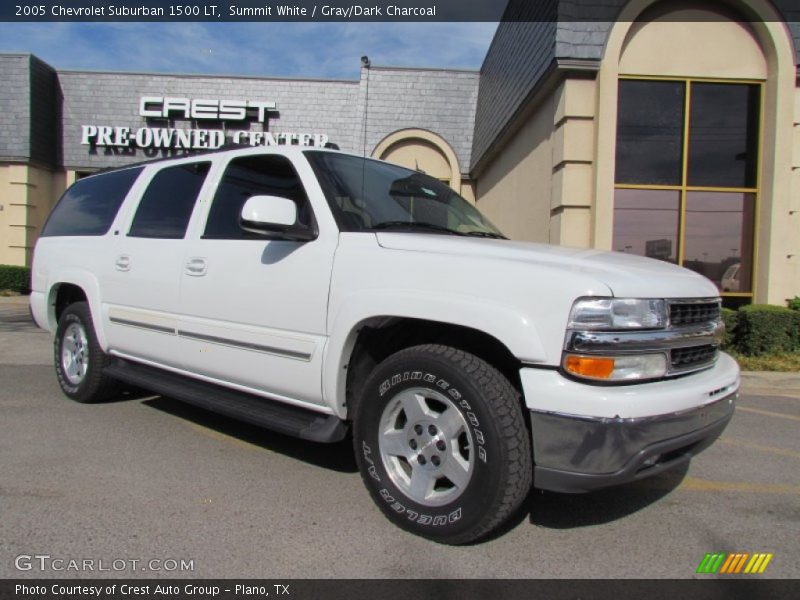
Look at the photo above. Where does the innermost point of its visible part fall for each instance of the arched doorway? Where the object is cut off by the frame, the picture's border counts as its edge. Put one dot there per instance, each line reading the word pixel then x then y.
pixel 425 151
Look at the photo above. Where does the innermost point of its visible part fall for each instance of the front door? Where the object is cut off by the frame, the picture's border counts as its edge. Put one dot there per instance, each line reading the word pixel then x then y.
pixel 254 310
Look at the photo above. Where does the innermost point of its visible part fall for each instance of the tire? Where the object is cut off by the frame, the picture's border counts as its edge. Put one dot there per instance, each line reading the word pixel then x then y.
pixel 79 360
pixel 441 444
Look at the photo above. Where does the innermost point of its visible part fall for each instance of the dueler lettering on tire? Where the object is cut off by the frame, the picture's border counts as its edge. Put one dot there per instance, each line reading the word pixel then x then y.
pixel 441 443
pixel 79 359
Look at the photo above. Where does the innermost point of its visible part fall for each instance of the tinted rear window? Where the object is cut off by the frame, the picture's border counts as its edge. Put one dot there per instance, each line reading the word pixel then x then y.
pixel 90 205
pixel 166 206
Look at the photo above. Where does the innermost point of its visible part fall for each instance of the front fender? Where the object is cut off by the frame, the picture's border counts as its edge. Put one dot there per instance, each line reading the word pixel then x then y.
pixel 508 325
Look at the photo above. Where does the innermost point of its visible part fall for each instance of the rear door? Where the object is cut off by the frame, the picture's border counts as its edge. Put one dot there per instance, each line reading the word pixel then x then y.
pixel 141 291
pixel 254 309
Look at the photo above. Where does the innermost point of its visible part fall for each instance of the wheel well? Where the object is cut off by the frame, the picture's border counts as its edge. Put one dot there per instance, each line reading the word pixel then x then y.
pixel 66 294
pixel 379 338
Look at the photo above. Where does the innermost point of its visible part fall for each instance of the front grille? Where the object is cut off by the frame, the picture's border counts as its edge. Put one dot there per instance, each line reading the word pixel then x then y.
pixel 693 357
pixel 690 313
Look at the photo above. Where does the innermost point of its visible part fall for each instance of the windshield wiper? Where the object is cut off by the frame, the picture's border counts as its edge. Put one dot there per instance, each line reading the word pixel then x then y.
pixel 412 225
pixel 486 234
pixel 496 236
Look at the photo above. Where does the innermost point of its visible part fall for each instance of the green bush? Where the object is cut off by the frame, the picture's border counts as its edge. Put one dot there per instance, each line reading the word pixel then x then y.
pixel 765 329
pixel 794 303
pixel 16 279
pixel 731 320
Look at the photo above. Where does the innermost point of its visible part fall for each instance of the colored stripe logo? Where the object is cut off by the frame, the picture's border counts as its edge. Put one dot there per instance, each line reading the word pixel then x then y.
pixel 734 563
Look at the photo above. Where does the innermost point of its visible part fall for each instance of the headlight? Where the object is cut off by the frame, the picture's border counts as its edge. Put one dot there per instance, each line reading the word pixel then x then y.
pixel 616 368
pixel 618 313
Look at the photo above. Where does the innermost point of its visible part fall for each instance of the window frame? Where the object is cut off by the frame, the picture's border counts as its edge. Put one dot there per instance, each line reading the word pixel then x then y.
pixel 685 189
pixel 219 180
pixel 151 178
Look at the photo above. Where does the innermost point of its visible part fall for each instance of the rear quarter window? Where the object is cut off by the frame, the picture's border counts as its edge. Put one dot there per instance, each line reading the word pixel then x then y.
pixel 89 206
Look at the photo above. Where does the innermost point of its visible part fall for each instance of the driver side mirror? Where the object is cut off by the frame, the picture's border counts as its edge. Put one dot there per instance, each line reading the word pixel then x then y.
pixel 275 217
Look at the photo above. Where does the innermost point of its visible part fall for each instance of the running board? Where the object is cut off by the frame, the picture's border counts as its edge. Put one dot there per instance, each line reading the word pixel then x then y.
pixel 269 414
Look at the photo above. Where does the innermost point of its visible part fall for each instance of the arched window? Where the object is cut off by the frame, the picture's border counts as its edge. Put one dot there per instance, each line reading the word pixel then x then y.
pixel 694 156
pixel 688 146
pixel 425 151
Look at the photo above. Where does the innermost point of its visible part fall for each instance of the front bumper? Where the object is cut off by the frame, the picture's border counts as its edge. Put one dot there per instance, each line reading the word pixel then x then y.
pixel 580 454
pixel 592 436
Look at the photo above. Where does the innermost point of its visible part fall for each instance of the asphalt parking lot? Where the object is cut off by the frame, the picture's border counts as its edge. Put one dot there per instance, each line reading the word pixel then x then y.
pixel 148 478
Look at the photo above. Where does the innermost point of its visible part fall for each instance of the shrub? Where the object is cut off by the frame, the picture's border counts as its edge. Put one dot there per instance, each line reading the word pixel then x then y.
pixel 764 329
pixel 794 303
pixel 731 320
pixel 16 279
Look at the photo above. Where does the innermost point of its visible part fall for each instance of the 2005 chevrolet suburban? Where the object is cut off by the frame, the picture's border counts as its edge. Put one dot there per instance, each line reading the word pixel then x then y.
pixel 314 292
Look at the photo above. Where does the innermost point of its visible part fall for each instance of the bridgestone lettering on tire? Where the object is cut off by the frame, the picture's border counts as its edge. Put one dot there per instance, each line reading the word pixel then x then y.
pixel 79 359
pixel 441 443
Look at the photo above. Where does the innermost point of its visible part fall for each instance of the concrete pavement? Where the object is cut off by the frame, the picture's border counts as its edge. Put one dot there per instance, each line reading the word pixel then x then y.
pixel 147 478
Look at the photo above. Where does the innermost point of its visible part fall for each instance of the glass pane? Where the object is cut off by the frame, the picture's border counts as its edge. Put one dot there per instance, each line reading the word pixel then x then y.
pixel 719 238
pixel 258 175
pixel 646 223
pixel 723 135
pixel 90 205
pixel 167 204
pixel 650 132
pixel 366 195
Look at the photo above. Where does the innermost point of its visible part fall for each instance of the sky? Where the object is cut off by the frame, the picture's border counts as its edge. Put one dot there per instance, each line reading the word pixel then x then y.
pixel 321 50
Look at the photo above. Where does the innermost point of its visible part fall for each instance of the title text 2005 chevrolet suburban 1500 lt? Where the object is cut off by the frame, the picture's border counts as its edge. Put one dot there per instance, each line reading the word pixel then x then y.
pixel 313 292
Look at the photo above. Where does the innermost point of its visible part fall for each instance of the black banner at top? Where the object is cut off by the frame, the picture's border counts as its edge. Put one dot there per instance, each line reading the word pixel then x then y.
pixel 351 10
pixel 255 10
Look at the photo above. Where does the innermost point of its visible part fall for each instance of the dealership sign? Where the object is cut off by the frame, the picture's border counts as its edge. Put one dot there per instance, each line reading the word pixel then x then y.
pixel 160 107
pixel 215 110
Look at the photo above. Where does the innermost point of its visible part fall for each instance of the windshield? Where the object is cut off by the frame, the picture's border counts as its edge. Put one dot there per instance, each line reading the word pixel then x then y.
pixel 370 195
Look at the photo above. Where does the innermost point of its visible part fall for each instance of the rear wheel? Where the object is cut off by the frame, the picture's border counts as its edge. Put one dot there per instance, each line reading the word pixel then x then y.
pixel 79 359
pixel 441 443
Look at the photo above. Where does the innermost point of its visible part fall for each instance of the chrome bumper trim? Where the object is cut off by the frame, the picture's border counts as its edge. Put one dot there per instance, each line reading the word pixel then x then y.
pixel 638 341
pixel 577 453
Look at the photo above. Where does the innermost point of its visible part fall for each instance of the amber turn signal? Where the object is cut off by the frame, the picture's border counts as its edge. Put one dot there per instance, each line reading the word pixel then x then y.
pixel 590 366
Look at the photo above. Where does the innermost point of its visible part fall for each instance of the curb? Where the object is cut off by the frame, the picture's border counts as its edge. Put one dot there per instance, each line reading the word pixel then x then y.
pixel 14 300
pixel 768 382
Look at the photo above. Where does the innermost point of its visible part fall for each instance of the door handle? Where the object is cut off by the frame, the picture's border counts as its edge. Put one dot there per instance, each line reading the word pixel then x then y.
pixel 196 267
pixel 123 263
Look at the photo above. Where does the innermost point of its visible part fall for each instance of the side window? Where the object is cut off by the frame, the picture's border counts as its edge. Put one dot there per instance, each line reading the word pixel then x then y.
pixel 246 176
pixel 167 204
pixel 90 205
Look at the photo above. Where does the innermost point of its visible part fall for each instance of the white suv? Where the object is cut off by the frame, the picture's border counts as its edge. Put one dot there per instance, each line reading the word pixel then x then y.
pixel 314 292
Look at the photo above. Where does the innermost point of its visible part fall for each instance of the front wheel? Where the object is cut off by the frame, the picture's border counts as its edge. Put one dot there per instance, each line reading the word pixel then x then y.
pixel 79 359
pixel 441 443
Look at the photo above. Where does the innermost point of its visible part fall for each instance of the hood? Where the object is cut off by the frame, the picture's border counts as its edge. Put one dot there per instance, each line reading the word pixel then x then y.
pixel 627 275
